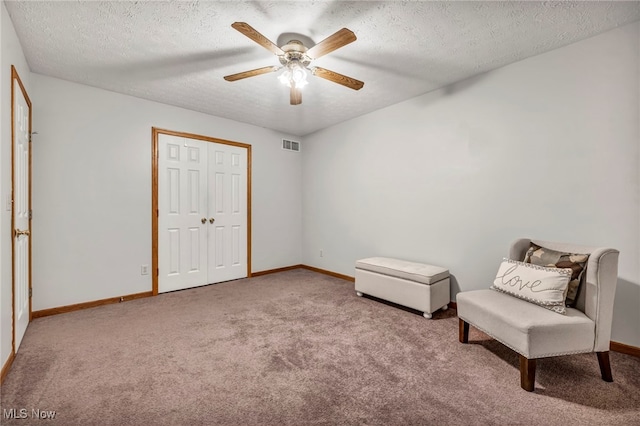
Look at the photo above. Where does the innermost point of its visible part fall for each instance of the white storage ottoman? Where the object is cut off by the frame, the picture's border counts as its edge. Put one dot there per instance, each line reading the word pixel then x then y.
pixel 415 285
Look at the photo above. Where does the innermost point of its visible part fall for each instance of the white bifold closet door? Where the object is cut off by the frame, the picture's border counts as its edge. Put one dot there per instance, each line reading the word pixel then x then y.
pixel 202 218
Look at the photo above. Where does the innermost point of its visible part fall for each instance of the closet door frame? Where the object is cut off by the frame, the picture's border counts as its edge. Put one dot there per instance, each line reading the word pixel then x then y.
pixel 155 132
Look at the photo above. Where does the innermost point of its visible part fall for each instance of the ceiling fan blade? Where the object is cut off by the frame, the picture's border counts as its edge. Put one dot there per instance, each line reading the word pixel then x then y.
pixel 254 35
pixel 349 82
pixel 335 41
pixel 251 73
pixel 295 95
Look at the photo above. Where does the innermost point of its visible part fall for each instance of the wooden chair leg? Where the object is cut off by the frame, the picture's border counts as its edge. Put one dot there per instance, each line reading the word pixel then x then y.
pixel 605 366
pixel 463 332
pixel 527 373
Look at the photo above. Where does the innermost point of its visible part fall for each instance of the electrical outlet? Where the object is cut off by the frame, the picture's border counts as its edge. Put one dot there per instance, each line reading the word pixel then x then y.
pixel 144 270
pixel 321 253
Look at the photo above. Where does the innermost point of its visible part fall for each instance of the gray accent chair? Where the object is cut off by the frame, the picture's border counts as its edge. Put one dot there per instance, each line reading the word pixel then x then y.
pixel 535 332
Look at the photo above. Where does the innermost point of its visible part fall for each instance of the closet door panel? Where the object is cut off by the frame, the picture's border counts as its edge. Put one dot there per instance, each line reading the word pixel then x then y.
pixel 182 206
pixel 228 205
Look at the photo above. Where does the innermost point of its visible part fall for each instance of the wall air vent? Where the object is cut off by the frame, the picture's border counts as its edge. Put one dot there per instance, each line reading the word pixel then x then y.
pixel 290 145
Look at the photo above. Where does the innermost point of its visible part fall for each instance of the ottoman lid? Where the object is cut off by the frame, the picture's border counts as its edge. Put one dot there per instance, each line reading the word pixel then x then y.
pixel 419 272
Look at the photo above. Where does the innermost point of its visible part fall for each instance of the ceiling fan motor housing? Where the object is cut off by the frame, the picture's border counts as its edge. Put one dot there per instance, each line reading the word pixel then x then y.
pixel 294 50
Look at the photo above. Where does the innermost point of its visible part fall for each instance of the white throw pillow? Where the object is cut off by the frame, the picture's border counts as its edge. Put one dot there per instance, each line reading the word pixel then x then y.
pixel 541 285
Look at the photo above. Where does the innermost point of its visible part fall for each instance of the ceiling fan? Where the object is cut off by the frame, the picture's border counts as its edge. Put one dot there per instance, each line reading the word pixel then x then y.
pixel 295 58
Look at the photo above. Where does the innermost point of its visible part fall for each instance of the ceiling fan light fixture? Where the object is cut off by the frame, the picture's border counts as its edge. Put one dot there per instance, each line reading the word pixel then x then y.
pixel 294 75
pixel 285 77
pixel 299 78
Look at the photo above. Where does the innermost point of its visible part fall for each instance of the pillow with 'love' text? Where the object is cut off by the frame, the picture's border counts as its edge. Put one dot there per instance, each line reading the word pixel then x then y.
pixel 541 285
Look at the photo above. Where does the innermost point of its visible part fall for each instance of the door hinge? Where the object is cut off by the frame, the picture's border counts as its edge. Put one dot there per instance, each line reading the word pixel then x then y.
pixel 30 214
pixel 30 292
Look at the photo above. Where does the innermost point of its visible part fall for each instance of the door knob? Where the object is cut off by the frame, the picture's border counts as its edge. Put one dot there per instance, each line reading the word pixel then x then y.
pixel 203 220
pixel 211 220
pixel 18 232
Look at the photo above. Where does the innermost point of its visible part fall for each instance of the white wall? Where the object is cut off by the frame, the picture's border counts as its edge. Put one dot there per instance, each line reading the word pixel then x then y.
pixel 11 54
pixel 544 148
pixel 92 190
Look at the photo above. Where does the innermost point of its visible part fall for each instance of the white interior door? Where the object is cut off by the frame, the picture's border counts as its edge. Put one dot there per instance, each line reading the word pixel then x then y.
pixel 182 219
pixel 227 212
pixel 203 213
pixel 21 208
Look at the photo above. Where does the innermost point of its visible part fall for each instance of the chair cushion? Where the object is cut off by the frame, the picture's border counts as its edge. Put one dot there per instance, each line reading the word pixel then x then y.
pixel 418 272
pixel 528 329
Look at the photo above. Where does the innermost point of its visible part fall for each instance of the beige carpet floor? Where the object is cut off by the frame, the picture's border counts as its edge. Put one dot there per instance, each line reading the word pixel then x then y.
pixel 294 348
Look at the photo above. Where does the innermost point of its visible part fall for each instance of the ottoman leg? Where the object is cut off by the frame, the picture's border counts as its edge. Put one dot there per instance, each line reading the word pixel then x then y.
pixel 359 294
pixel 427 315
pixel 445 307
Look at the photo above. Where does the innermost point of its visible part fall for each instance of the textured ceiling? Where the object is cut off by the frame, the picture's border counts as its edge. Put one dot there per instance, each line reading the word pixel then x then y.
pixel 177 52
